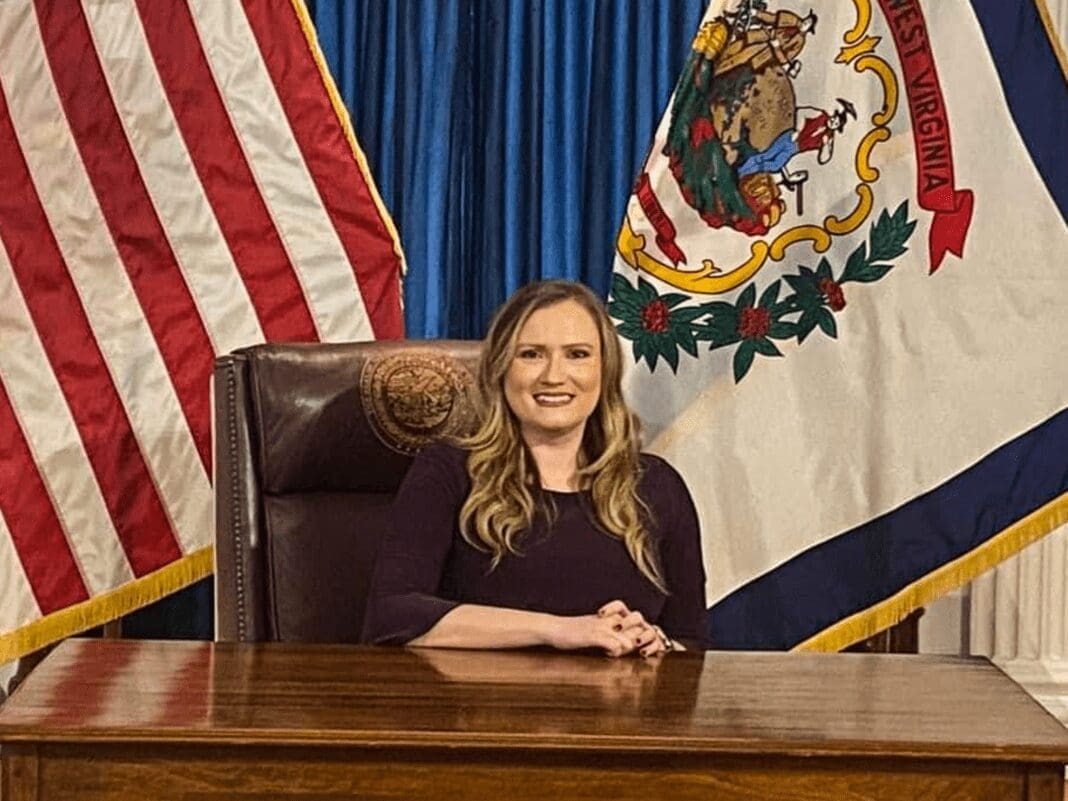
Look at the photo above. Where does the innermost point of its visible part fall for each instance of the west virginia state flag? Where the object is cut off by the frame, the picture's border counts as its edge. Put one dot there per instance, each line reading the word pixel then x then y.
pixel 843 277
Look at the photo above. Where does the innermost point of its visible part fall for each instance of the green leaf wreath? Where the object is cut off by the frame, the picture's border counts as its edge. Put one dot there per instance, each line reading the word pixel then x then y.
pixel 659 326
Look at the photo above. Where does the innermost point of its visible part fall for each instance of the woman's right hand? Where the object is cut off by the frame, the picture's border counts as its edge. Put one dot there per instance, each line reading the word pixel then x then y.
pixel 590 631
pixel 617 632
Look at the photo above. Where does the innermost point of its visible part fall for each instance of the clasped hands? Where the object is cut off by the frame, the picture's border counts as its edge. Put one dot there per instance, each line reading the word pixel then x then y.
pixel 615 629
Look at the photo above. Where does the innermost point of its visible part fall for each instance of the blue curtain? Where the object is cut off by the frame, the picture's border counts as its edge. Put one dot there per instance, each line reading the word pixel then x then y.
pixel 504 135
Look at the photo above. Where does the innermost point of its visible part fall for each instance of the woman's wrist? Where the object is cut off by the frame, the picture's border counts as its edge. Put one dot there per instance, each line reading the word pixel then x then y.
pixel 533 628
pixel 549 629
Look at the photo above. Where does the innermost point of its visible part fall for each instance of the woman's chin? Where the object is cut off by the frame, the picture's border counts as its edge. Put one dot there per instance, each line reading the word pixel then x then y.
pixel 554 426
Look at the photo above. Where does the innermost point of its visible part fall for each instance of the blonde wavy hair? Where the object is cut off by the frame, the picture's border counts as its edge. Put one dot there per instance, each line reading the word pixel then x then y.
pixel 502 504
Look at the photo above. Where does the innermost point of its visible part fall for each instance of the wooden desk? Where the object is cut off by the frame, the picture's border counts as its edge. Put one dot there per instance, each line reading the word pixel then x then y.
pixel 198 722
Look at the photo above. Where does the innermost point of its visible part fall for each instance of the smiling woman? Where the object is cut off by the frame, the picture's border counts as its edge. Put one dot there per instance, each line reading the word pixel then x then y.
pixel 554 382
pixel 546 526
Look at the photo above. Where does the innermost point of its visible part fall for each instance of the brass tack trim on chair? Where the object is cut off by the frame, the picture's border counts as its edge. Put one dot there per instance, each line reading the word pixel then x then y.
pixel 416 397
pixel 235 501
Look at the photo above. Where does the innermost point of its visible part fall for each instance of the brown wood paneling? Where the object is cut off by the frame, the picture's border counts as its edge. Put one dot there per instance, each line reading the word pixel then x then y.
pixel 260 773
pixel 19 777
pixel 1045 784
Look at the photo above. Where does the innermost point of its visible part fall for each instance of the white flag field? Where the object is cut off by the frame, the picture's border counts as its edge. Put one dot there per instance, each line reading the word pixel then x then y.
pixel 843 278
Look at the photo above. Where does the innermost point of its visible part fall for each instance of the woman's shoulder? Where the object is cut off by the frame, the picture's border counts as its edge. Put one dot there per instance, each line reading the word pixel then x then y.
pixel 659 478
pixel 444 451
pixel 656 466
pixel 443 460
pixel 444 454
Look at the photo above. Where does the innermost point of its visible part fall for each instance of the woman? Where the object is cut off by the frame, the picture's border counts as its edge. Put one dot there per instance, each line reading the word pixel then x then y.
pixel 546 526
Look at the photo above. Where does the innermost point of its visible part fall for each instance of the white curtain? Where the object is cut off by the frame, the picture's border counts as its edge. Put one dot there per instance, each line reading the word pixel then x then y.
pixel 1019 610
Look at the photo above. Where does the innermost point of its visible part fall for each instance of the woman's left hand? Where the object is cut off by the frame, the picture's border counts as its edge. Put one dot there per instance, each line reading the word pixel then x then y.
pixel 649 640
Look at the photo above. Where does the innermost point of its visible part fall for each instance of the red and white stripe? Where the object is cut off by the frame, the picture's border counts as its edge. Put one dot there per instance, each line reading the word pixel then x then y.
pixel 174 184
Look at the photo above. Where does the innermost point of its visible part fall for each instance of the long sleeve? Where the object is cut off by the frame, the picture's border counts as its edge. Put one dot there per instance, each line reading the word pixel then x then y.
pixel 404 602
pixel 683 615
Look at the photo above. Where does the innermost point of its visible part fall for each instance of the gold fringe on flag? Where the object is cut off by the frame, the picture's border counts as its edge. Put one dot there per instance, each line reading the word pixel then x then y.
pixel 945 579
pixel 107 606
pixel 1054 38
pixel 342 113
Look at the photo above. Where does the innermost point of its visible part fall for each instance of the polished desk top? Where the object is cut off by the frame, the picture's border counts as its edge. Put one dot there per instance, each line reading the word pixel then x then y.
pixel 728 703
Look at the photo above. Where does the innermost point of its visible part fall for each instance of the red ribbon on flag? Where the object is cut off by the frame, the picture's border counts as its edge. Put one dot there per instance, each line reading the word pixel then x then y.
pixel 665 228
pixel 935 186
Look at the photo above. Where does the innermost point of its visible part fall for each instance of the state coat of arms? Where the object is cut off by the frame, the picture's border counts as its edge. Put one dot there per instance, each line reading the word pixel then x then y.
pixel 759 115
pixel 736 124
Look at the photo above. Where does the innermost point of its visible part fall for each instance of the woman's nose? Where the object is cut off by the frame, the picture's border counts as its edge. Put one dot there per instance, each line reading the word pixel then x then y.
pixel 554 370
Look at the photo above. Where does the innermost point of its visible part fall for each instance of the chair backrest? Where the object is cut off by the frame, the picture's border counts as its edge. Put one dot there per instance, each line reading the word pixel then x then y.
pixel 311 443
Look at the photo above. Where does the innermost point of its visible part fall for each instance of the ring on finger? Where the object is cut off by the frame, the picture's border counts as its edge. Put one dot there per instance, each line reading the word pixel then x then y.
pixel 668 643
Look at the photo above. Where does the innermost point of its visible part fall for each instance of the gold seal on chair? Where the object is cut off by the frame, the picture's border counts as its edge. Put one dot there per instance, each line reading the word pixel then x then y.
pixel 415 397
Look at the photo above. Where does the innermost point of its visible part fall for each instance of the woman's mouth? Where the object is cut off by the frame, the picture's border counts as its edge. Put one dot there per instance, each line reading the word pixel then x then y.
pixel 553 398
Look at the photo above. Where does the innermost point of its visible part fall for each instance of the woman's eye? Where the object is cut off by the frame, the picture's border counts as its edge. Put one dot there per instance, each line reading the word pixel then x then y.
pixel 528 353
pixel 580 353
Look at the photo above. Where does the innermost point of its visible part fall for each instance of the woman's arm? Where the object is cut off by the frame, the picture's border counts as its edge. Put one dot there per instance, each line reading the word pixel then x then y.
pixel 475 626
pixel 404 601
pixel 683 615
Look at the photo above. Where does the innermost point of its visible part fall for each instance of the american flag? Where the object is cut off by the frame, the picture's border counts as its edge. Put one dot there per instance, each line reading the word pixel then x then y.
pixel 178 178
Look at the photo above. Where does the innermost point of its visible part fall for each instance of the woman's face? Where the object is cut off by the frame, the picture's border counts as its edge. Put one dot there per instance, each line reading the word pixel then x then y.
pixel 554 381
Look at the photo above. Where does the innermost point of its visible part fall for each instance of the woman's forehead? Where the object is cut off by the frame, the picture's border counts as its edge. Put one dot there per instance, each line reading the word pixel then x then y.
pixel 567 322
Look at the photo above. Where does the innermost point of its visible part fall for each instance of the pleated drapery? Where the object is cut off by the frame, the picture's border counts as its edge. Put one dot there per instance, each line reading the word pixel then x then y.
pixel 1019 610
pixel 504 135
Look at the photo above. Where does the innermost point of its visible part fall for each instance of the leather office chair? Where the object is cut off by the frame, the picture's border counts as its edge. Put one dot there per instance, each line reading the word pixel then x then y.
pixel 311 443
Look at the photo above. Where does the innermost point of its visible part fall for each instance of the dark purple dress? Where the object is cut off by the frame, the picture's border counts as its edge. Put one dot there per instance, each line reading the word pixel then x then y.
pixel 425 567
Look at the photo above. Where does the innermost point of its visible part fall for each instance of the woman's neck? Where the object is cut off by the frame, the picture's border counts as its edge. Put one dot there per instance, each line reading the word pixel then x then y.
pixel 557 459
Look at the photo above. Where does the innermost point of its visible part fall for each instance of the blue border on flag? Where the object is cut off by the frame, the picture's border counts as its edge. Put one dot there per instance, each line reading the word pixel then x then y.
pixel 1034 86
pixel 858 569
